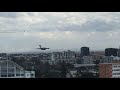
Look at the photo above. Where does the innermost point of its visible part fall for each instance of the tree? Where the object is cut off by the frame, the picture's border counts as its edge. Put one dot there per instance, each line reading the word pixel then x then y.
pixel 69 66
pixel 63 70
pixel 97 67
pixel 80 72
pixel 51 74
pixel 78 61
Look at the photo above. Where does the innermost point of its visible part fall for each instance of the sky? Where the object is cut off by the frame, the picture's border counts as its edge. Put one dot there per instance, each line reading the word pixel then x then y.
pixel 24 31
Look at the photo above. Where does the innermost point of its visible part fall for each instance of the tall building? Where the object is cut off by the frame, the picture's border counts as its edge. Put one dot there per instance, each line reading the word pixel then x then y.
pixel 111 51
pixel 118 53
pixel 109 70
pixel 85 51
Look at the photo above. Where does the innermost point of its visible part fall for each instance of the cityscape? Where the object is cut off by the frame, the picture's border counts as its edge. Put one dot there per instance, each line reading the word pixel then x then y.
pixel 59 45
pixel 65 64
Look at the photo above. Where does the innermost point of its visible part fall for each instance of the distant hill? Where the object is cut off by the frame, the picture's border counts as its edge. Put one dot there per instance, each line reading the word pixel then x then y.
pixel 54 50
pixel 44 51
pixel 99 52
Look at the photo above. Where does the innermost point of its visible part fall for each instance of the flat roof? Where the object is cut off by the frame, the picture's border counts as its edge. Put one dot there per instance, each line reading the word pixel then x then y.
pixel 82 65
pixel 110 63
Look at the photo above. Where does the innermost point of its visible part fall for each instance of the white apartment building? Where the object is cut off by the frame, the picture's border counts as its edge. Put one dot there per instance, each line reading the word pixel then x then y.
pixel 109 59
pixel 65 56
pixel 109 70
pixel 116 70
pixel 87 60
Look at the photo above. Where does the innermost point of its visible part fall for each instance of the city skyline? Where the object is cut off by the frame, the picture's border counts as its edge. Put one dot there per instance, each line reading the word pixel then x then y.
pixel 24 31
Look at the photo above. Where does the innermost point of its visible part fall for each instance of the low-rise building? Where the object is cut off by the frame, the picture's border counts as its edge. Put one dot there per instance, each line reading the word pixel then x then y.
pixel 109 59
pixel 87 60
pixel 63 55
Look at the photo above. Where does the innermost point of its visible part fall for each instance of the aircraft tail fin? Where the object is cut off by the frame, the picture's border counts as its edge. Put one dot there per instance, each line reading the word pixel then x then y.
pixel 40 46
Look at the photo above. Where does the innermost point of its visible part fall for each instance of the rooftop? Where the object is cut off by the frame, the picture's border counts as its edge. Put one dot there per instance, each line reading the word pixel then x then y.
pixel 81 65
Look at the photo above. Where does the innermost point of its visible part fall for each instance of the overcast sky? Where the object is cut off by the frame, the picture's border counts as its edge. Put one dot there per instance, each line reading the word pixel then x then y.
pixel 58 30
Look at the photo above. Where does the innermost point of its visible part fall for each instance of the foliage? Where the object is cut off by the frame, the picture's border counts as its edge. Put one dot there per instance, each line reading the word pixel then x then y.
pixel 44 69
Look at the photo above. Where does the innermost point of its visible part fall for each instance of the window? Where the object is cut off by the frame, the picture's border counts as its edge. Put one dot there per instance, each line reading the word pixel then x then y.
pixel 11 70
pixel 116 73
pixel 10 75
pixel 115 66
pixel 32 74
pixel 17 74
pixel 10 64
pixel 22 74
pixel 117 70
pixel 3 75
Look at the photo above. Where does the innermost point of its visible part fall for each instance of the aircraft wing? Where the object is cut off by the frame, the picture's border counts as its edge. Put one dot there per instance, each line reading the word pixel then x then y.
pixel 37 48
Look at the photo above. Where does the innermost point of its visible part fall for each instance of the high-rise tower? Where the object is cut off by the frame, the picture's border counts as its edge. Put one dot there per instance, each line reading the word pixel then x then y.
pixel 111 51
pixel 118 53
pixel 85 51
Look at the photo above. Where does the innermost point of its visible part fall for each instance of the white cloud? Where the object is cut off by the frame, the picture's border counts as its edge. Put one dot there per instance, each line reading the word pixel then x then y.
pixel 32 19
pixel 97 30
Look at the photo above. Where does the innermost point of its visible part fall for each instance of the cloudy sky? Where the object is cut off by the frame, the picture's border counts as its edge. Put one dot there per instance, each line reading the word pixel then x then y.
pixel 24 31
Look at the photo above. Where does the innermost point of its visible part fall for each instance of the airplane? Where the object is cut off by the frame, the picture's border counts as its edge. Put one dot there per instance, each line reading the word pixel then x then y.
pixel 42 48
